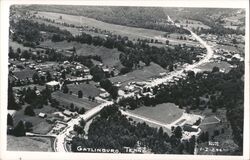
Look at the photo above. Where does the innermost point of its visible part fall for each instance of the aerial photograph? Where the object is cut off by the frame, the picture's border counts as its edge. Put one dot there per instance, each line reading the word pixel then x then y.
pixel 126 79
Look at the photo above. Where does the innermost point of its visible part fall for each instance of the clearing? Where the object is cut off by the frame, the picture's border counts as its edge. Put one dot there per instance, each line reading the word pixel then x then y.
pixel 29 144
pixel 67 99
pixel 110 57
pixel 40 125
pixel 153 70
pixel 131 32
pixel 165 113
pixel 87 89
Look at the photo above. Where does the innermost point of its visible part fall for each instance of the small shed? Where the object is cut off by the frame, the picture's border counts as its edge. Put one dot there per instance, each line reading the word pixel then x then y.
pixel 42 115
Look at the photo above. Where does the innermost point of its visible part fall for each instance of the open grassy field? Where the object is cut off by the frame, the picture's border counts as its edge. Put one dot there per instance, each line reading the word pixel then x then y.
pixel 16 45
pixel 193 24
pixel 131 32
pixel 87 89
pixel 231 48
pixel 169 132
pixel 40 125
pixel 165 113
pixel 67 99
pixel 29 144
pixel 153 70
pixel 25 73
pixel 209 66
pixel 110 57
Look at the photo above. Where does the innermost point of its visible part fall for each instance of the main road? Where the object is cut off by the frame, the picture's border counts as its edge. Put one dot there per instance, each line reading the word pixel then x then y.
pixel 59 144
pixel 204 60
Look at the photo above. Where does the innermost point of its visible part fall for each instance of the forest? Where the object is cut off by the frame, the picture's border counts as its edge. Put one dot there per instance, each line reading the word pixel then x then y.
pixel 223 90
pixel 112 130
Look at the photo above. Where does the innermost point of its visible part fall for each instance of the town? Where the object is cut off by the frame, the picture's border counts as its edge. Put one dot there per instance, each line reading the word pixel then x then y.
pixel 174 85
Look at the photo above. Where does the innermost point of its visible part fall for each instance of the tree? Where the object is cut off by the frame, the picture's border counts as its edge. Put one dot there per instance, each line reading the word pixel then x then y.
pixel 81 111
pixel 63 75
pixel 215 69
pixel 9 120
pixel 65 89
pixel 48 76
pixel 167 42
pixel 106 84
pixel 72 107
pixel 19 130
pixel 78 129
pixel 11 99
pixel 18 50
pixel 29 111
pixel 178 132
pixel 80 94
pixel 234 41
pixel 114 92
pixel 28 126
pixel 191 145
pixel 35 78
pixel 97 73
pixel 82 123
pixel 171 67
pixel 160 132
pixel 112 73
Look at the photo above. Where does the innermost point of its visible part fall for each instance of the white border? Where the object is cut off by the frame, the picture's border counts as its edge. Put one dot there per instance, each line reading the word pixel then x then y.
pixel 4 8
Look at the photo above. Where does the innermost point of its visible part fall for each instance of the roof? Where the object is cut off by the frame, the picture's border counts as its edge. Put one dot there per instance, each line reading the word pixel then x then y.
pixel 41 114
pixel 67 112
pixel 105 94
pixel 52 83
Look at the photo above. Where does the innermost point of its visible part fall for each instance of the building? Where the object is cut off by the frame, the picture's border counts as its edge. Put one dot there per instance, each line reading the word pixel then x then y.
pixel 104 95
pixel 53 85
pixel 190 128
pixel 42 115
pixel 69 113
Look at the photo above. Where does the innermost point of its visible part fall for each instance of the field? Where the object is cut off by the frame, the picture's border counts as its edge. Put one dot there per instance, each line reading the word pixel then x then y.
pixel 29 144
pixel 153 70
pixel 209 66
pixel 87 89
pixel 25 73
pixel 231 48
pixel 168 131
pixel 67 99
pixel 110 57
pixel 40 125
pixel 193 24
pixel 165 113
pixel 16 45
pixel 132 32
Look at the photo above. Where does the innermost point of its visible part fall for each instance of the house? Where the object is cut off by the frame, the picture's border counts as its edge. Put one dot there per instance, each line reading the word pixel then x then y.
pixel 190 128
pixel 105 70
pixel 69 113
pixel 86 71
pixel 104 95
pixel 53 85
pixel 42 115
pixel 22 59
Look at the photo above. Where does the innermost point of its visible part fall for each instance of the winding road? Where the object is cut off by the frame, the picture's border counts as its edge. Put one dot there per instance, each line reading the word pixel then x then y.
pixel 60 143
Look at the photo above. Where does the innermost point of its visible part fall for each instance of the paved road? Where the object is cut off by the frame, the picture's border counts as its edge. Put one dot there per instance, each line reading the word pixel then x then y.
pixel 167 78
pixel 59 144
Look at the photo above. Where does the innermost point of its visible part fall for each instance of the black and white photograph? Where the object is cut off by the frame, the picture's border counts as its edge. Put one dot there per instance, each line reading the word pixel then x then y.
pixel 126 80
